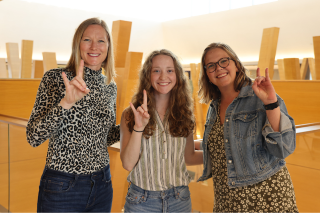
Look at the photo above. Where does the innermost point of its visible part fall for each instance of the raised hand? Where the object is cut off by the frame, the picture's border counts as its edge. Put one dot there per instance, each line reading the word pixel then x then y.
pixel 141 115
pixel 76 89
pixel 263 88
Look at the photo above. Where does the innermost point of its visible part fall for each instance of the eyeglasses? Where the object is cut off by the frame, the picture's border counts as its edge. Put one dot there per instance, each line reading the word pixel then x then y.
pixel 223 63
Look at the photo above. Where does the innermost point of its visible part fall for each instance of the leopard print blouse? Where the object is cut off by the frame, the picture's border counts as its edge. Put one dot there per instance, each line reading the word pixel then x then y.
pixel 78 137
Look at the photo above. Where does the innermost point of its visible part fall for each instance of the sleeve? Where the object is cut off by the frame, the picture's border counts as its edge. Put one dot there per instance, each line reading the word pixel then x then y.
pixel 280 144
pixel 114 132
pixel 46 114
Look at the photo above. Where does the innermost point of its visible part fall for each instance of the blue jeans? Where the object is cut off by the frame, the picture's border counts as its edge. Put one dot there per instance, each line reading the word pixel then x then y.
pixel 65 192
pixel 176 199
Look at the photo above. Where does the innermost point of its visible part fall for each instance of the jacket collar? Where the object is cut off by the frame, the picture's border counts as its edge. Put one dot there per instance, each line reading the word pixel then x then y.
pixel 246 91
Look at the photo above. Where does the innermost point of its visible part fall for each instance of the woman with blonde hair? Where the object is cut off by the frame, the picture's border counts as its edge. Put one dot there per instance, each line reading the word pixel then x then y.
pixel 75 109
pixel 248 134
pixel 157 138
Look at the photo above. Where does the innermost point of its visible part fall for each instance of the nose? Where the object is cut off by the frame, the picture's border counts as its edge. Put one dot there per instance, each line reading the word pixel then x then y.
pixel 94 45
pixel 162 75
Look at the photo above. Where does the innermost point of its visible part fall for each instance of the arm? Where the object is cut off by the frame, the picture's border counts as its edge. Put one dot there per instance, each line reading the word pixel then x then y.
pixel 279 129
pixel 114 132
pixel 192 156
pixel 130 143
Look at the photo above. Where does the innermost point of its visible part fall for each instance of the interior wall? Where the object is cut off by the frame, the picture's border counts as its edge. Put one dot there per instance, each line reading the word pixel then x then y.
pixel 52 28
pixel 242 30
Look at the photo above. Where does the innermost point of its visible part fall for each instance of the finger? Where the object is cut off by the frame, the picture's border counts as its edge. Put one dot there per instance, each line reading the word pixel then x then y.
pixel 146 114
pixel 145 101
pixel 133 109
pixel 139 109
pixel 267 73
pixel 80 69
pixel 81 82
pixel 65 79
pixel 76 83
pixel 258 72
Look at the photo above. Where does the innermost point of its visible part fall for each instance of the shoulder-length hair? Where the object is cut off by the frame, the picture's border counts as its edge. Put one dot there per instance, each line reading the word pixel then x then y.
pixel 180 109
pixel 209 91
pixel 74 61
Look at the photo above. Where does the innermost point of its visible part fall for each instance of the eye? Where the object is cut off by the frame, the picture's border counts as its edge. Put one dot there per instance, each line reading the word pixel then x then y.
pixel 156 70
pixel 86 39
pixel 101 41
pixel 170 70
pixel 210 66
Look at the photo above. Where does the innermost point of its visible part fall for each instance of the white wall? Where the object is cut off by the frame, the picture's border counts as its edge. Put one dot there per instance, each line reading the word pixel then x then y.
pixel 242 28
pixel 52 28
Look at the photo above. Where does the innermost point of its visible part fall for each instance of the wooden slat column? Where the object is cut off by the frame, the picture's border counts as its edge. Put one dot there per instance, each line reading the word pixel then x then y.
pixel 316 48
pixel 26 58
pixel 3 68
pixel 292 68
pixel 49 61
pixel 37 69
pixel 268 50
pixel 14 65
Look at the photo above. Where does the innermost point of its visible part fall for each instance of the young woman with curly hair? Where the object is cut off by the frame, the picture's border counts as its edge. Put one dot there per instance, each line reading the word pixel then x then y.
pixel 156 136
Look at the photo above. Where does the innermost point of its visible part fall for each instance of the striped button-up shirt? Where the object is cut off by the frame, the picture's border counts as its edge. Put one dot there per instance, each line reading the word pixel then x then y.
pixel 161 164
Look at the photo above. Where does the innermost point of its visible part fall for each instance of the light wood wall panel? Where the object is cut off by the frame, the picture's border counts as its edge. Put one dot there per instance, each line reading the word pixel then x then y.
pixel 130 84
pixel 302 99
pixel 26 58
pixel 121 31
pixel 26 167
pixel 49 61
pixel 37 69
pixel 3 68
pixel 312 67
pixel 119 79
pixel 282 75
pixel 14 64
pixel 292 68
pixel 18 96
pixel 316 48
pixel 268 50
pixel 4 167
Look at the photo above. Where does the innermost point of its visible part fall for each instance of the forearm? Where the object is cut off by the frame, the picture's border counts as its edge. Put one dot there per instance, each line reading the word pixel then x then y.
pixel 130 153
pixel 195 158
pixel 274 118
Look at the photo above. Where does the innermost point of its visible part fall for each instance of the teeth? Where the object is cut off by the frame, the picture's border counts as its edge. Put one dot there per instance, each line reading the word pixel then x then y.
pixel 222 75
pixel 163 84
pixel 93 54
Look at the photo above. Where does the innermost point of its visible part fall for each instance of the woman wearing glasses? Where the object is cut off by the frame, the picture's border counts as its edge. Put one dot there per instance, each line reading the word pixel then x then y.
pixel 248 133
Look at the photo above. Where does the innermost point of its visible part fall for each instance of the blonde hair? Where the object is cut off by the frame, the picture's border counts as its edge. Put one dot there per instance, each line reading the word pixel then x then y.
pixel 74 61
pixel 209 91
pixel 180 115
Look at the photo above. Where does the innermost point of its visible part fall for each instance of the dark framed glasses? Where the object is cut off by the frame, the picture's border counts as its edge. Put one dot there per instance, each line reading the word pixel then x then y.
pixel 223 63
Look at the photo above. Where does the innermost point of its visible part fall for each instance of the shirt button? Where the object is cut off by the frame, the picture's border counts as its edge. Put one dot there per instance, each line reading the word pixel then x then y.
pixel 164 141
pixel 227 120
pixel 226 140
pixel 229 161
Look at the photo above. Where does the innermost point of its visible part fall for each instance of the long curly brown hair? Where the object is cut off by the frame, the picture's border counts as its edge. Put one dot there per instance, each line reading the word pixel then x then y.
pixel 180 109
pixel 208 91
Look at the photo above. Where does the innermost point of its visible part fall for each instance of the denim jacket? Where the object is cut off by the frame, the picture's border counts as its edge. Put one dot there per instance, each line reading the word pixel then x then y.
pixel 254 151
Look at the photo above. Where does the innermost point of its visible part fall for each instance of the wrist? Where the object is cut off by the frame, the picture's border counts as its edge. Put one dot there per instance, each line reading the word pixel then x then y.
pixel 271 106
pixel 138 129
pixel 64 104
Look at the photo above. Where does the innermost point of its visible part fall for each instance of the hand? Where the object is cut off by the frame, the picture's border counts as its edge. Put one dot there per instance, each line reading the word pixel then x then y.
pixel 263 88
pixel 76 89
pixel 141 115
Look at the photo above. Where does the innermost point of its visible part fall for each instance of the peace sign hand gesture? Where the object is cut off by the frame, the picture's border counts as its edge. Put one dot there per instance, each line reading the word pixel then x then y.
pixel 141 115
pixel 263 88
pixel 76 89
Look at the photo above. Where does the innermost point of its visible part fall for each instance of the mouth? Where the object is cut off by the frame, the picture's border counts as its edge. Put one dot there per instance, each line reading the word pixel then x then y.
pixel 164 84
pixel 93 54
pixel 222 75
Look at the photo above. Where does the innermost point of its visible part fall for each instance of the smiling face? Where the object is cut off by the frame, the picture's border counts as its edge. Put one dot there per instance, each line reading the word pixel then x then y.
pixel 222 77
pixel 94 46
pixel 163 75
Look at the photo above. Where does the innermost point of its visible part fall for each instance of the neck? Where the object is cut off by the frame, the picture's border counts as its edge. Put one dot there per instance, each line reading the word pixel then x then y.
pixel 162 102
pixel 228 95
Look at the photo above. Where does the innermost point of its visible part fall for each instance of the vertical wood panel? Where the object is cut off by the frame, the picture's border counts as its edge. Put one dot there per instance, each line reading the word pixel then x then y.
pixel 312 67
pixel 37 69
pixel 49 61
pixel 3 68
pixel 4 168
pixel 316 48
pixel 281 71
pixel 26 58
pixel 304 68
pixel 268 50
pixel 121 31
pixel 119 79
pixel 133 65
pixel 14 65
pixel 292 68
